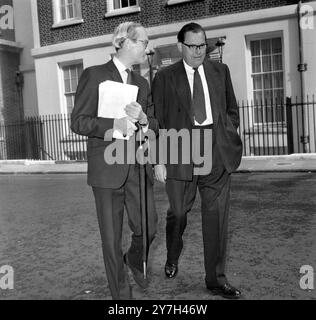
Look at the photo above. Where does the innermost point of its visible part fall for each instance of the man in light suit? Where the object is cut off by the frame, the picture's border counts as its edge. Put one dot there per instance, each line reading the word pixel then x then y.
pixel 196 93
pixel 116 186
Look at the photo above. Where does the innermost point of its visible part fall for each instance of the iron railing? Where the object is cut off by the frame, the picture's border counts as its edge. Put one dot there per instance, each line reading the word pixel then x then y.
pixel 265 129
pixel 41 138
pixel 277 128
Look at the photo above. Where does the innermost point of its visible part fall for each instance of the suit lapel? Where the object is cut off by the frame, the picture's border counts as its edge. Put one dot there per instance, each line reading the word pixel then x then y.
pixel 181 83
pixel 115 75
pixel 214 88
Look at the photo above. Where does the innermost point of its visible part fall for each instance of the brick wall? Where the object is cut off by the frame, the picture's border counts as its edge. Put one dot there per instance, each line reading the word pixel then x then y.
pixel 153 13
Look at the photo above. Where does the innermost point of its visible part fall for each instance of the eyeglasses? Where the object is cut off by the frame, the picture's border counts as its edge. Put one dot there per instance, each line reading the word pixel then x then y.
pixel 194 47
pixel 144 42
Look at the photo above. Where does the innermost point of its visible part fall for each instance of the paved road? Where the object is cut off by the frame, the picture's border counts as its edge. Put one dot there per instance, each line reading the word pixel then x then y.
pixel 49 235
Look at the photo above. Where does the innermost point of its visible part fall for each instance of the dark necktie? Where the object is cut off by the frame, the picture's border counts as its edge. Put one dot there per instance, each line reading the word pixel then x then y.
pixel 129 76
pixel 198 101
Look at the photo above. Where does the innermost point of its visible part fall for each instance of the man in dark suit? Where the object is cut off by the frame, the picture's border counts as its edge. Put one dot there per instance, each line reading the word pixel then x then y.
pixel 116 186
pixel 197 94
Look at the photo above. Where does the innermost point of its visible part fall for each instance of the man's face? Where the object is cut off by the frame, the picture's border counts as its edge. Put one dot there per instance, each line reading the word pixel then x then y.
pixel 137 48
pixel 193 49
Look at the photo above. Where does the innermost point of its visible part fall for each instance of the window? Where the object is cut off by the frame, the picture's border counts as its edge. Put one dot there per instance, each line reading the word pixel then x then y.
pixel 118 4
pixel 267 79
pixel 67 12
pixel 71 75
pixel 120 7
pixel 172 2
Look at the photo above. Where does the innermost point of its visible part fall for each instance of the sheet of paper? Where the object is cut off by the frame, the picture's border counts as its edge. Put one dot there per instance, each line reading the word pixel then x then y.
pixel 113 97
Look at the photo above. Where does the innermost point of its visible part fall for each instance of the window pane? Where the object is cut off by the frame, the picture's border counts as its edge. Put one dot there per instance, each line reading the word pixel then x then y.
pixel 256 65
pixel 279 95
pixel 257 97
pixel 63 15
pixel 117 4
pixel 268 96
pixel 69 101
pixel 277 62
pixel 276 45
pixel 255 48
pixel 266 63
pixel 258 114
pixel 267 81
pixel 257 83
pixel 266 46
pixel 70 12
pixel 66 73
pixel 73 72
pixel 278 80
pixel 67 86
pixel 124 3
pixel 132 3
pixel 74 83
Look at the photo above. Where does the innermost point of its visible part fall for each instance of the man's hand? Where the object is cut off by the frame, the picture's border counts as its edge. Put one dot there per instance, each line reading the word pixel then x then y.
pixel 135 111
pixel 161 173
pixel 125 125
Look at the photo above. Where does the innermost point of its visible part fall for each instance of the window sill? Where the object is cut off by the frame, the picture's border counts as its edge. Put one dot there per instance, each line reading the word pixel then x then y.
pixel 123 11
pixel 173 2
pixel 67 23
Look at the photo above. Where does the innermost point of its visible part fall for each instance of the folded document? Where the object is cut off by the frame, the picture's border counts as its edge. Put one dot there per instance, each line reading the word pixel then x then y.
pixel 113 98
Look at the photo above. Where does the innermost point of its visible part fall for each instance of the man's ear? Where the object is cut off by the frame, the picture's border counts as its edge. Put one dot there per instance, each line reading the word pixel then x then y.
pixel 179 46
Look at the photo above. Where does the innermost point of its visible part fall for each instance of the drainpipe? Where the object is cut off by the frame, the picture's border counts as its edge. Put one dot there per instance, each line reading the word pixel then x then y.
pixel 302 67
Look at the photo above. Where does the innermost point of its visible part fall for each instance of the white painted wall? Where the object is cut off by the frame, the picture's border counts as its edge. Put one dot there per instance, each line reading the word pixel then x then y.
pixel 24 36
pixel 50 81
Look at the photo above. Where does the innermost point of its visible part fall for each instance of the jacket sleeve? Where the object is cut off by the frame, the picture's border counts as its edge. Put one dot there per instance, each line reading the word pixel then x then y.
pixel 158 98
pixel 232 107
pixel 150 111
pixel 84 119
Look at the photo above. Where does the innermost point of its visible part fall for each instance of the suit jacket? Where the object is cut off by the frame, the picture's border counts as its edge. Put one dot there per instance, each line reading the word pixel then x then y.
pixel 84 121
pixel 172 99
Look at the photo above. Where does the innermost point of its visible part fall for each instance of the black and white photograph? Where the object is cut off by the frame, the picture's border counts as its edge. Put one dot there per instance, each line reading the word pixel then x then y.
pixel 157 151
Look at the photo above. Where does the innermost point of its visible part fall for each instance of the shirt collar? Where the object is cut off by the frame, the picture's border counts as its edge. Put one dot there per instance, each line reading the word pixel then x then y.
pixel 190 69
pixel 119 65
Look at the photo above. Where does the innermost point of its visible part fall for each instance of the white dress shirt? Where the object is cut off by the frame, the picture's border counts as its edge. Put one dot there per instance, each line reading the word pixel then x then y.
pixel 190 74
pixel 122 70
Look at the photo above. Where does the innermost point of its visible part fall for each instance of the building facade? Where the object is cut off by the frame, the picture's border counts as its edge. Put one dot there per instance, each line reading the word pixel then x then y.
pixel 18 93
pixel 260 41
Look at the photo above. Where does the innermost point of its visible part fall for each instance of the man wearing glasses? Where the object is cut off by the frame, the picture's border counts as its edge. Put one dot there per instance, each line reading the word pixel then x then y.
pixel 197 94
pixel 116 186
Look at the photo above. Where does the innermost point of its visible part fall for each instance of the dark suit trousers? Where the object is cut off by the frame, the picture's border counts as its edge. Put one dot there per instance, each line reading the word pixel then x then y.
pixel 110 209
pixel 214 191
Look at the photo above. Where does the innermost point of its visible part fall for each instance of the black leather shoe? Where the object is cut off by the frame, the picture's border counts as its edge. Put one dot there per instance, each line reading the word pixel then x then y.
pixel 137 275
pixel 171 269
pixel 226 291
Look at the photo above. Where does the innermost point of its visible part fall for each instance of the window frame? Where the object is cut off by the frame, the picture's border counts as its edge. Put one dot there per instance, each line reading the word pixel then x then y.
pixel 58 22
pixel 265 36
pixel 121 11
pixel 63 93
pixel 174 2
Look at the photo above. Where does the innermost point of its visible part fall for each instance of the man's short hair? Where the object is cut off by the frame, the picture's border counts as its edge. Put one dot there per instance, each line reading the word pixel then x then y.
pixel 126 30
pixel 190 27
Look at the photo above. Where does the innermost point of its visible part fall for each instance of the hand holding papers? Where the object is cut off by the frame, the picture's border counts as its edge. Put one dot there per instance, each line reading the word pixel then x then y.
pixel 125 126
pixel 113 98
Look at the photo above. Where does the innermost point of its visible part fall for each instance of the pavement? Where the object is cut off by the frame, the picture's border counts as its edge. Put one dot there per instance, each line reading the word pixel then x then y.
pixel 285 163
